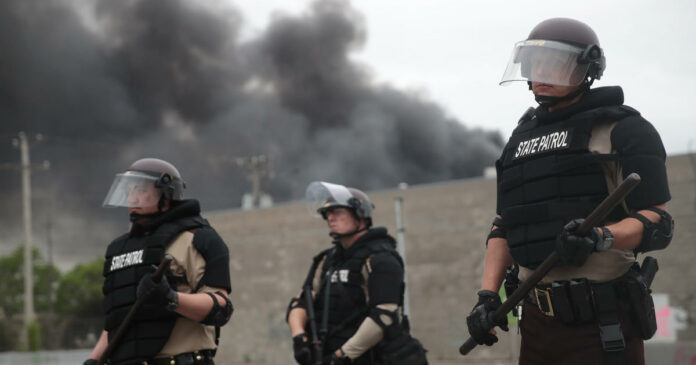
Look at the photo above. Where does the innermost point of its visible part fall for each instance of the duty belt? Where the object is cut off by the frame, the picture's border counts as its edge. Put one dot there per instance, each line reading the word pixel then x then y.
pixel 571 301
pixel 188 358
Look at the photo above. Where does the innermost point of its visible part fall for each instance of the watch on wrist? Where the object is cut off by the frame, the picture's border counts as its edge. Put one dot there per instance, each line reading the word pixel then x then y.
pixel 607 240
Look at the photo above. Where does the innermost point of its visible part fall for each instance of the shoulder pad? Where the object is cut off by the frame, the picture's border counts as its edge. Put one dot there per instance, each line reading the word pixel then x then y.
pixel 192 222
pixel 629 110
pixel 381 246
pixel 527 116
pixel 615 112
pixel 217 260
pixel 385 262
pixel 112 247
pixel 209 243
pixel 322 254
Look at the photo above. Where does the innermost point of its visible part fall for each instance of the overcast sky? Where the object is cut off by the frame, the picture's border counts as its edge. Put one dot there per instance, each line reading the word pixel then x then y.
pixel 454 52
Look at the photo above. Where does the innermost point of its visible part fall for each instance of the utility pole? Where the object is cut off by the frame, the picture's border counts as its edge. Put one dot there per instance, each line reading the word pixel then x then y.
pixel 401 242
pixel 26 205
pixel 692 158
pixel 256 168
pixel 52 279
pixel 25 166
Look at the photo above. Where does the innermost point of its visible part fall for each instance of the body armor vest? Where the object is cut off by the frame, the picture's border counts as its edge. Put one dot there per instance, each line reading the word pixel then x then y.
pixel 340 301
pixel 128 258
pixel 547 176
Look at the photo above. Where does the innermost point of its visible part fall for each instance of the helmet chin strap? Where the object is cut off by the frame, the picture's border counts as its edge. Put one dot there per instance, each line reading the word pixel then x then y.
pixel 337 236
pixel 549 101
pixel 136 217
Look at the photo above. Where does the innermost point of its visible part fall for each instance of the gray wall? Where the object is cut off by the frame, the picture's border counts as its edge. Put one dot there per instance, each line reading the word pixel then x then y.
pixel 271 250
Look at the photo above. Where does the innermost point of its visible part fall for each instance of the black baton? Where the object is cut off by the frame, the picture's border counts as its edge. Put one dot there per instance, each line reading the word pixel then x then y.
pixel 316 343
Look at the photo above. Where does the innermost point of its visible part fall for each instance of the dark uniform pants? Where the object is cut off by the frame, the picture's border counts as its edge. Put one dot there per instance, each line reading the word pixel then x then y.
pixel 547 341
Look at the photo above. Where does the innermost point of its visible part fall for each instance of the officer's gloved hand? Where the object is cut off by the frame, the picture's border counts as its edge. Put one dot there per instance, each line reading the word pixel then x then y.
pixel 479 320
pixel 301 349
pixel 159 292
pixel 90 362
pixel 333 359
pixel 574 249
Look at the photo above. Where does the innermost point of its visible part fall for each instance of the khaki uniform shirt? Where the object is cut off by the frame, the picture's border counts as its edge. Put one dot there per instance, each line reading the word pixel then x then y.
pixel 188 335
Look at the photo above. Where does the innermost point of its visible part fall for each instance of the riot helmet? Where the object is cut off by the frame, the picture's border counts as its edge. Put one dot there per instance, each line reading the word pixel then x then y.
pixel 142 174
pixel 558 51
pixel 322 196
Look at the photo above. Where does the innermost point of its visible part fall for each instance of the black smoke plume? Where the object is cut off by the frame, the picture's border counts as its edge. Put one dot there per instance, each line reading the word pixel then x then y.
pixel 108 82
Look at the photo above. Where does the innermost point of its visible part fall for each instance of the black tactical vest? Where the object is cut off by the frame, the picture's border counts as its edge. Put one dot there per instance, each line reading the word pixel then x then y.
pixel 128 258
pixel 341 297
pixel 547 176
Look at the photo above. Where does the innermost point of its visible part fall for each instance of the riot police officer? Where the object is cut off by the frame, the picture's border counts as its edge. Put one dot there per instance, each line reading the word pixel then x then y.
pixel 561 161
pixel 352 298
pixel 179 320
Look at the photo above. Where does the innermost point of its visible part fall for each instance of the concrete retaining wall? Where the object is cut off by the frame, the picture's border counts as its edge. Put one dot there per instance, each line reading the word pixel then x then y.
pixel 271 250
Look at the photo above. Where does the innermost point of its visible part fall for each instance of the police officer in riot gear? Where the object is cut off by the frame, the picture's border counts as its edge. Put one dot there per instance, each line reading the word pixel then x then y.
pixel 560 162
pixel 356 289
pixel 180 319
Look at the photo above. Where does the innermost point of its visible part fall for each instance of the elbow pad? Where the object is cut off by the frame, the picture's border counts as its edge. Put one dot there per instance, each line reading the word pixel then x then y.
pixel 387 320
pixel 656 236
pixel 497 231
pixel 219 315
pixel 294 303
pixel 385 283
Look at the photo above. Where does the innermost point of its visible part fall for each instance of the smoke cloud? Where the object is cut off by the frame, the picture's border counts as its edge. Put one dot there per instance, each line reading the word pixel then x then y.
pixel 109 82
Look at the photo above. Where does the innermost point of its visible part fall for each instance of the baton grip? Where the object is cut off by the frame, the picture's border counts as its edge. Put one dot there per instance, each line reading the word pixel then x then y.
pixel 162 268
pixel 467 346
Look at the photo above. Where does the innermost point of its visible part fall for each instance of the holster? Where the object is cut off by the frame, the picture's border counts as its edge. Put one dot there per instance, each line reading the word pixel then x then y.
pixel 405 350
pixel 512 282
pixel 642 306
pixel 397 346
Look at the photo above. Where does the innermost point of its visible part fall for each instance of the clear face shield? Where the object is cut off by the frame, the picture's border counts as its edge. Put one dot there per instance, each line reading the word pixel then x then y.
pixel 321 194
pixel 547 62
pixel 133 189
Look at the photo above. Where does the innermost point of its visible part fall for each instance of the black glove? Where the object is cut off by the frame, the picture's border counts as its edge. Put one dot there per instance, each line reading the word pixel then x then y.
pixel 335 360
pixel 157 293
pixel 575 249
pixel 480 319
pixel 301 349
pixel 90 362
